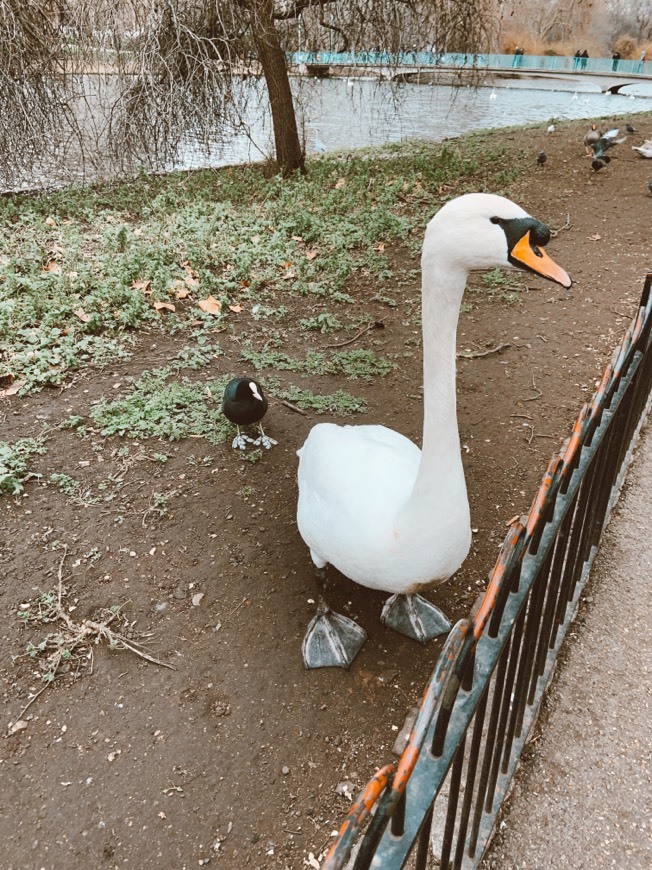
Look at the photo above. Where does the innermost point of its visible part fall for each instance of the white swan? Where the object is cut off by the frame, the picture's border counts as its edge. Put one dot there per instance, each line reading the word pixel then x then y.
pixel 386 514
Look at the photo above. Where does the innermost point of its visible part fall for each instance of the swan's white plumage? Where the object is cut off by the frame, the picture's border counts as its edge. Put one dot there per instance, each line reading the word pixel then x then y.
pixel 383 512
pixel 353 482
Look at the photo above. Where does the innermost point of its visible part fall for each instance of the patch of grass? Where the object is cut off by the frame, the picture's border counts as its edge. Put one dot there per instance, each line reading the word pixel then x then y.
pixel 360 364
pixel 157 406
pixel 246 491
pixel 352 364
pixel 74 490
pixel 82 269
pixel 251 455
pixel 196 356
pixel 14 463
pixel 314 363
pixel 67 485
pixel 262 312
pixel 497 279
pixel 203 461
pixel 158 506
pixel 341 403
pixel 323 322
pixel 384 299
pixel 75 421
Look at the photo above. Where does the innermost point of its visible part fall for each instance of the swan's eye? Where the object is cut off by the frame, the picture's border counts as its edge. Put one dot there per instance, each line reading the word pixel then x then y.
pixel 516 228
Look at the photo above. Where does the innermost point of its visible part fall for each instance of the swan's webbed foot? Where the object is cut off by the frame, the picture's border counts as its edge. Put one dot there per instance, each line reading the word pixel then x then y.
pixel 331 640
pixel 415 617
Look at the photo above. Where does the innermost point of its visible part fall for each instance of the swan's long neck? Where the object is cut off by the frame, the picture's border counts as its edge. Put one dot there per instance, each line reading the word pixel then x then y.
pixel 440 473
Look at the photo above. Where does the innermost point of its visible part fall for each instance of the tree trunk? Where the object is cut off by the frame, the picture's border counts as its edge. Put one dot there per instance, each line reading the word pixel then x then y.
pixel 289 154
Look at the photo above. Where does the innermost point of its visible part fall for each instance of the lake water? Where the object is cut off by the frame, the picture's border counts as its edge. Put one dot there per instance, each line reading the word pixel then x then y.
pixel 341 113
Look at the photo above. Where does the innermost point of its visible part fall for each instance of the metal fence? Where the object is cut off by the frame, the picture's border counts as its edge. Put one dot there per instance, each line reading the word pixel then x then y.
pixel 498 62
pixel 443 795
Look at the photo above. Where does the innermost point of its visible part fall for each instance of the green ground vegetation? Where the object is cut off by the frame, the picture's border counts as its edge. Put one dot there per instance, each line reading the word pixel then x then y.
pixel 90 275
pixel 83 269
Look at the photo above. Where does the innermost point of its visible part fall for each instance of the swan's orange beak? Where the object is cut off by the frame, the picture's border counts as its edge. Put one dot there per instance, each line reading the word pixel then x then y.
pixel 531 257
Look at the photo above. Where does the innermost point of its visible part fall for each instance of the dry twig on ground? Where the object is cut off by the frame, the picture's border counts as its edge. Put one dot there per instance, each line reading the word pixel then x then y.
pixel 474 354
pixel 72 643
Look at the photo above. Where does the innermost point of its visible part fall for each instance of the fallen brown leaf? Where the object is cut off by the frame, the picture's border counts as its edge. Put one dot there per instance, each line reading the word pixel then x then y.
pixel 595 237
pixel 12 390
pixel 235 308
pixel 310 255
pixel 81 314
pixel 164 306
pixel 142 285
pixel 210 305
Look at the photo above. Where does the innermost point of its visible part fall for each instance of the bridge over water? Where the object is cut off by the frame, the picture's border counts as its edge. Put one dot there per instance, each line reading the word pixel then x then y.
pixel 610 75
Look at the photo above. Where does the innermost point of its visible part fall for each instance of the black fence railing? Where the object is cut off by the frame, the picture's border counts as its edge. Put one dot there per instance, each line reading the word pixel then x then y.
pixel 443 795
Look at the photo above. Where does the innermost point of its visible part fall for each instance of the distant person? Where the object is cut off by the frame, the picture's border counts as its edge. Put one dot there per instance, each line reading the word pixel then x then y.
pixel 516 56
pixel 585 57
pixel 615 57
pixel 641 61
pixel 577 59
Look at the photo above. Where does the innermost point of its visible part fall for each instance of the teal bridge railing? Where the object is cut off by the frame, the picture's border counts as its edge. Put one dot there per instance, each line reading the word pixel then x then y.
pixel 497 62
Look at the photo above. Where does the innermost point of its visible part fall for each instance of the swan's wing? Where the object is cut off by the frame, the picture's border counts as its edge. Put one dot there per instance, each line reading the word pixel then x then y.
pixel 352 478
pixel 346 458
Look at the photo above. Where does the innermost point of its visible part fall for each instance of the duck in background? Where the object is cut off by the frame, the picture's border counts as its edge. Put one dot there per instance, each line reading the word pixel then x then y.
pixel 591 137
pixel 599 148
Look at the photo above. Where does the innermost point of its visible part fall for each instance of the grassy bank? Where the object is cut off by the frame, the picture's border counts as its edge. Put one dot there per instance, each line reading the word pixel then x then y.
pixel 82 270
pixel 85 273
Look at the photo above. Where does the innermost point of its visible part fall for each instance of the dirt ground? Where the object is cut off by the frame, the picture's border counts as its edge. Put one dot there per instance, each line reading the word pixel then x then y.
pixel 239 757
